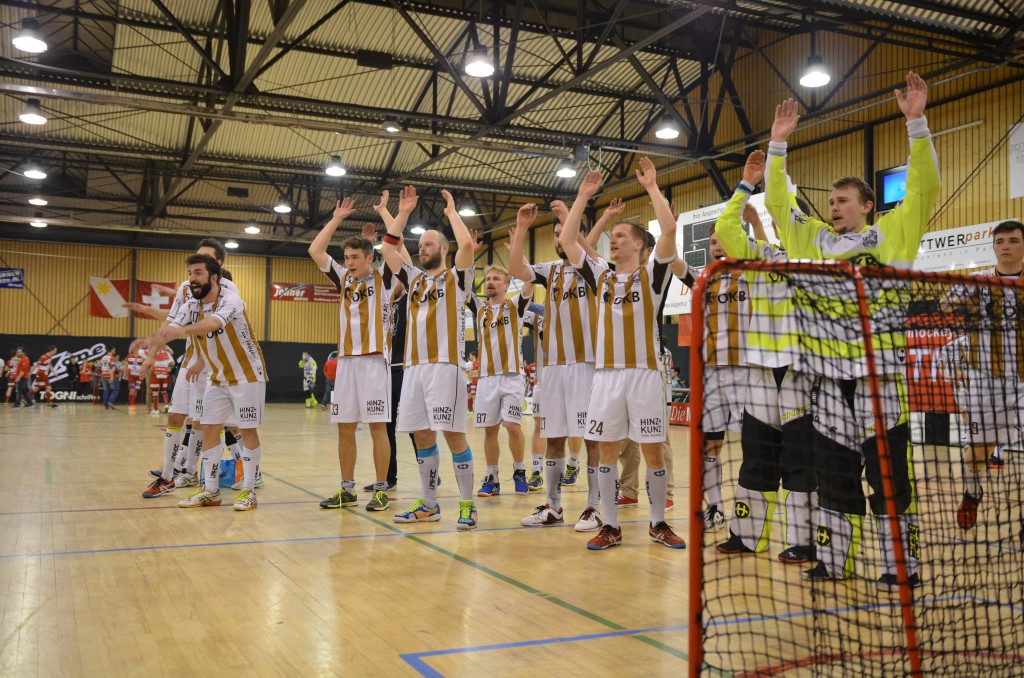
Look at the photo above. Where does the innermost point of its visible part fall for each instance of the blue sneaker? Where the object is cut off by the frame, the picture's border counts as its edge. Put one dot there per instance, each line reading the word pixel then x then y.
pixel 536 482
pixel 467 515
pixel 489 488
pixel 419 513
pixel 519 478
pixel 570 475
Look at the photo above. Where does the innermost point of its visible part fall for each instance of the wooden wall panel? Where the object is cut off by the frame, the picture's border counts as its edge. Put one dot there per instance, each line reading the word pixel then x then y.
pixel 301 322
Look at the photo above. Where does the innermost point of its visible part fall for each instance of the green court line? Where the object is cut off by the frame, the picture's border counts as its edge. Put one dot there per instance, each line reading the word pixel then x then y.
pixel 49 472
pixel 500 576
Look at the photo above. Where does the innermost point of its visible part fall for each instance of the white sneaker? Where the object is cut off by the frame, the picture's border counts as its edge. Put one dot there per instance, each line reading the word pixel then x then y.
pixel 590 520
pixel 714 519
pixel 259 482
pixel 543 516
pixel 186 480
pixel 246 500
pixel 201 497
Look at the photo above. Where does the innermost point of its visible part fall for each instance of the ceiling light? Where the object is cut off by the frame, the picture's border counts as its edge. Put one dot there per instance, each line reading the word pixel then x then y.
pixel 391 125
pixel 283 206
pixel 479 65
pixel 33 172
pixel 39 202
pixel 667 128
pixel 417 230
pixel 231 245
pixel 252 230
pixel 466 209
pixel 32 114
pixel 334 168
pixel 38 221
pixel 28 38
pixel 815 75
pixel 566 170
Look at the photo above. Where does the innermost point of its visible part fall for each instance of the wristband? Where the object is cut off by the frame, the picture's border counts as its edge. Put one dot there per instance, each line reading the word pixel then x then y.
pixel 393 240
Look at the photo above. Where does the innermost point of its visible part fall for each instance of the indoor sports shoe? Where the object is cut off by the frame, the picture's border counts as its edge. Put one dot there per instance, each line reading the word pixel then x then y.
pixel 796 555
pixel 608 537
pixel 590 520
pixel 663 534
pixel 967 513
pixel 536 482
pixel 519 479
pixel 543 516
pixel 714 519
pixel 669 504
pixel 379 502
pixel 995 463
pixel 340 499
pixel 246 500
pixel 201 498
pixel 732 546
pixel 626 502
pixel 887 582
pixel 818 573
pixel 158 487
pixel 570 475
pixel 489 488
pixel 259 482
pixel 391 487
pixel 467 515
pixel 420 513
pixel 186 480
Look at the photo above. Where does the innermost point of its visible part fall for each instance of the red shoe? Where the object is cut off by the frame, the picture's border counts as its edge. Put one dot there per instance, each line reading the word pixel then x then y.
pixel 608 537
pixel 626 502
pixel 967 513
pixel 157 488
pixel 663 534
pixel 669 504
pixel 995 463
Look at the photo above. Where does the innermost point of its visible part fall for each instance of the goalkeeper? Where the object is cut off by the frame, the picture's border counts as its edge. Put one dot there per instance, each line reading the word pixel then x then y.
pixel 308 367
pixel 832 344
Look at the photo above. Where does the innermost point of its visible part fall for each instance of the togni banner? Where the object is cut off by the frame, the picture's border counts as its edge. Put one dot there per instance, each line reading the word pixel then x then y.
pixel 327 294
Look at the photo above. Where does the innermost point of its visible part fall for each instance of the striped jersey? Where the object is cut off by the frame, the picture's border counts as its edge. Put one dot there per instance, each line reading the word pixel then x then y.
pixel 995 333
pixel 182 297
pixel 955 361
pixel 434 314
pixel 108 367
pixel 231 353
pixel 499 334
pixel 42 366
pixel 365 309
pixel 727 314
pixel 570 308
pixel 628 333
pixel 133 363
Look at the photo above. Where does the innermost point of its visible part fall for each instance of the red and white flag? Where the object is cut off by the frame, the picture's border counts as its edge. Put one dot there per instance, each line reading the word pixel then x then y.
pixel 155 294
pixel 107 297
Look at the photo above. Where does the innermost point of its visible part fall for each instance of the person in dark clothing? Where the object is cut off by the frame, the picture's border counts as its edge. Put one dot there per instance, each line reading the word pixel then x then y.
pixel 73 372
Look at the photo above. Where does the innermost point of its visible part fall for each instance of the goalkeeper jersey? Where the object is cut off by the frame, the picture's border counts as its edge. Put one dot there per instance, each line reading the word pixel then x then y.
pixel 828 315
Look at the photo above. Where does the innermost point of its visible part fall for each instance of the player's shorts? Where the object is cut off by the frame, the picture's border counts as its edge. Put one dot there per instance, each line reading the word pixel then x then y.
pixel 535 403
pixel 308 384
pixel 242 403
pixel 564 400
pixel 362 390
pixel 433 397
pixel 134 382
pixel 499 398
pixel 42 381
pixel 181 396
pixel 724 392
pixel 852 424
pixel 196 393
pixel 626 403
pixel 158 383
pixel 772 402
pixel 995 409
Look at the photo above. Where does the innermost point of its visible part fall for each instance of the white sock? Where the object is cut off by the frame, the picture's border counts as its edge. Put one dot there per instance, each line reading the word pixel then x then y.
pixel 250 467
pixel 211 468
pixel 463 463
pixel 492 471
pixel 574 460
pixel 518 466
pixel 428 464
pixel 657 491
pixel 178 459
pixel 538 463
pixel 713 481
pixel 232 443
pixel 593 488
pixel 193 451
pixel 998 452
pixel 972 480
pixel 553 470
pixel 172 441
pixel 608 479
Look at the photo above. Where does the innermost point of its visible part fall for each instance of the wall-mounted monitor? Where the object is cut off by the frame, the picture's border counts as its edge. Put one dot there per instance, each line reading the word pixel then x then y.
pixel 890 187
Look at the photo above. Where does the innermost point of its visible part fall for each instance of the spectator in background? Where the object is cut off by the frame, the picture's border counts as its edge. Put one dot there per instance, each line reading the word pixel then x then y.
pixel 84 379
pixel 95 379
pixel 308 367
pixel 73 372
pixel 330 371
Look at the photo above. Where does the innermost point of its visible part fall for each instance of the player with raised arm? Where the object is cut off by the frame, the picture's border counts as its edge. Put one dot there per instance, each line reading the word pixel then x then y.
pixel 42 369
pixel 362 382
pixel 832 345
pixel 627 399
pixel 434 389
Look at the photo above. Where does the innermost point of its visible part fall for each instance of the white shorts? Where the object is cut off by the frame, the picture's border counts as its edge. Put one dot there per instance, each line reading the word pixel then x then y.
pixel 197 390
pixel 724 392
pixel 433 398
pixel 627 403
pixel 181 396
pixel 773 403
pixel 995 410
pixel 535 403
pixel 240 405
pixel 362 390
pixel 499 398
pixel 564 400
pixel 851 426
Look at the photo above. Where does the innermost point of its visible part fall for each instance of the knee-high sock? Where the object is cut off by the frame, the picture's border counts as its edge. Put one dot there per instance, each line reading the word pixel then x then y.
pixel 657 492
pixel 178 461
pixel 211 468
pixel 798 508
pixel 753 517
pixel 837 540
pixel 172 440
pixel 193 452
pixel 593 487
pixel 713 480
pixel 911 544
pixel 428 464
pixel 553 470
pixel 251 466
pixel 463 463
pixel 608 477
pixel 232 444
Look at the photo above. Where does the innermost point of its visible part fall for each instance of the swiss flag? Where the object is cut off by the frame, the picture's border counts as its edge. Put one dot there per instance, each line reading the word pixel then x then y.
pixel 107 297
pixel 155 294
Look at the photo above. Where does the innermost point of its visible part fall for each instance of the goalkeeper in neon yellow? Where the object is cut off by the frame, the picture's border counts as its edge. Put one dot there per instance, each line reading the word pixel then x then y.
pixel 308 367
pixel 832 344
pixel 776 424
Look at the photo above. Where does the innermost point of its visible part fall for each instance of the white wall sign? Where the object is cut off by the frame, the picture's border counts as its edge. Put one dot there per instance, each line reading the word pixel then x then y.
pixel 954 249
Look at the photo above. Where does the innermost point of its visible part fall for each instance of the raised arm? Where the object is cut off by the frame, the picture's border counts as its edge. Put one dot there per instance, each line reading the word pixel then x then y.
pixel 569 237
pixel 647 175
pixel 518 265
pixel 463 239
pixel 614 209
pixel 318 249
pixel 391 247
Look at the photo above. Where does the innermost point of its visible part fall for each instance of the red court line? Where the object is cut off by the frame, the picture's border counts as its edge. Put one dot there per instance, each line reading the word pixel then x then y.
pixel 828 659
pixel 138 508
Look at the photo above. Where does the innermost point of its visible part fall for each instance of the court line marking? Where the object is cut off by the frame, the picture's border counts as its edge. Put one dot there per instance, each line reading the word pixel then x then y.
pixel 49 472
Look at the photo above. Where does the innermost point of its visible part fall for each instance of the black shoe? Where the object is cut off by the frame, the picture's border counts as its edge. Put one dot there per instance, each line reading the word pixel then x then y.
pixel 391 487
pixel 733 546
pixel 818 573
pixel 51 404
pixel 887 582
pixel 796 555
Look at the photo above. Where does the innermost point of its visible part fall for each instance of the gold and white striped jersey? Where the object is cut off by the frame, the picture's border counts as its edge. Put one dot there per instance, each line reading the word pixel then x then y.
pixel 628 333
pixel 365 309
pixel 499 334
pixel 995 331
pixel 231 353
pixel 182 297
pixel 727 315
pixel 434 329
pixel 569 311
